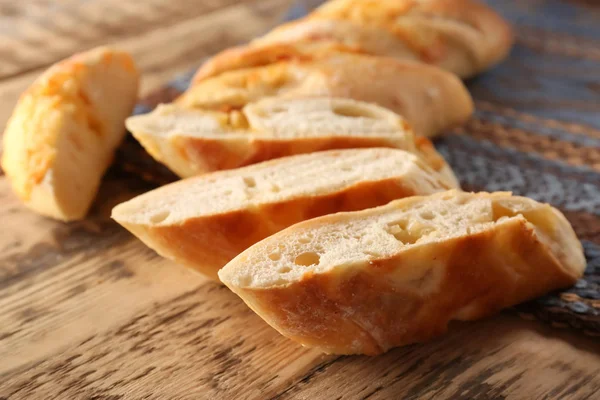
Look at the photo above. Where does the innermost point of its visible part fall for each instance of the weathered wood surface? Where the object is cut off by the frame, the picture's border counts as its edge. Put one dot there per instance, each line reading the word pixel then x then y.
pixel 86 311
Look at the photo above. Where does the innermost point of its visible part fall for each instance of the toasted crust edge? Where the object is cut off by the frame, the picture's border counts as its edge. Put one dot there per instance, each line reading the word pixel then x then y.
pixel 362 309
pixel 207 243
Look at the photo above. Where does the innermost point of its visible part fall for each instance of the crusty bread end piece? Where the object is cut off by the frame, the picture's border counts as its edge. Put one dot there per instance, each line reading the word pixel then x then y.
pixel 367 281
pixel 192 142
pixel 62 134
pixel 205 221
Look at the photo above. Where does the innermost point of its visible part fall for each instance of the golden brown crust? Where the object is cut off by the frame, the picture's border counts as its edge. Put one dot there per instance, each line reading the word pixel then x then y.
pixel 431 99
pixel 427 151
pixel 247 57
pixel 207 154
pixel 253 138
pixel 60 138
pixel 314 312
pixel 462 36
pixel 207 243
pixel 371 307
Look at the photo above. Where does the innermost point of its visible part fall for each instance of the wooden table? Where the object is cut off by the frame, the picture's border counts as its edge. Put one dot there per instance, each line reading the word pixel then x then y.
pixel 86 311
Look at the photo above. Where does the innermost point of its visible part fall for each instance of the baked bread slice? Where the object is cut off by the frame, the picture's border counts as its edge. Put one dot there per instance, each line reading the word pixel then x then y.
pixel 63 132
pixel 465 37
pixel 431 100
pixel 191 142
pixel 367 281
pixel 205 221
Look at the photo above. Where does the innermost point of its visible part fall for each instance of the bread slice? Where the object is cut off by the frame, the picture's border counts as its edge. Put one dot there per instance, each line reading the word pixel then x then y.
pixel 192 142
pixel 462 36
pixel 62 134
pixel 364 282
pixel 431 100
pixel 205 221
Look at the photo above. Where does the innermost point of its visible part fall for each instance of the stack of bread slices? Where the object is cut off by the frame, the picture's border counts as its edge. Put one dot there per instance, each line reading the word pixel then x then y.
pixel 311 188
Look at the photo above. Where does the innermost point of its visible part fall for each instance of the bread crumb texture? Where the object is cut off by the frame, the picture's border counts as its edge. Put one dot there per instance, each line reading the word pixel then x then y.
pixel 352 240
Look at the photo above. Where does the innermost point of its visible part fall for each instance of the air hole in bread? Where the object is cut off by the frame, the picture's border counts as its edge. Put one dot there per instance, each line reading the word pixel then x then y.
pixel 275 188
pixel 227 192
pixel 346 168
pixel 284 269
pixel 304 240
pixel 428 215
pixel 307 259
pixel 238 120
pixel 500 211
pixel 443 212
pixel 249 181
pixel 352 111
pixel 372 253
pixel 275 256
pixel 404 235
pixel 160 217
pixel 401 223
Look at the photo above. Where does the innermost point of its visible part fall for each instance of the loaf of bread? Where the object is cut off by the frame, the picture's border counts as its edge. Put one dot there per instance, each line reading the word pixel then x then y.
pixel 431 100
pixel 191 142
pixel 462 36
pixel 62 134
pixel 367 281
pixel 205 221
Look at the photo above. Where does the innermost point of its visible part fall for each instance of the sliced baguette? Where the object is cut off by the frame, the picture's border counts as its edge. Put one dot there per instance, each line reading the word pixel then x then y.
pixel 205 221
pixel 192 142
pixel 367 281
pixel 62 134
pixel 431 100
pixel 462 36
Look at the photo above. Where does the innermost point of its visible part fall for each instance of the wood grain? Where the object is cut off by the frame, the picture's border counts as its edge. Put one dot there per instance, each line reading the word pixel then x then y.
pixel 88 312
pixel 165 47
pixel 494 359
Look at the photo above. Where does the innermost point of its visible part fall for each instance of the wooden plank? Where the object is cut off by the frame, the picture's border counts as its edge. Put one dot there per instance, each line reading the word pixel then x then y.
pixel 202 343
pixel 40 33
pixel 499 358
pixel 205 343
